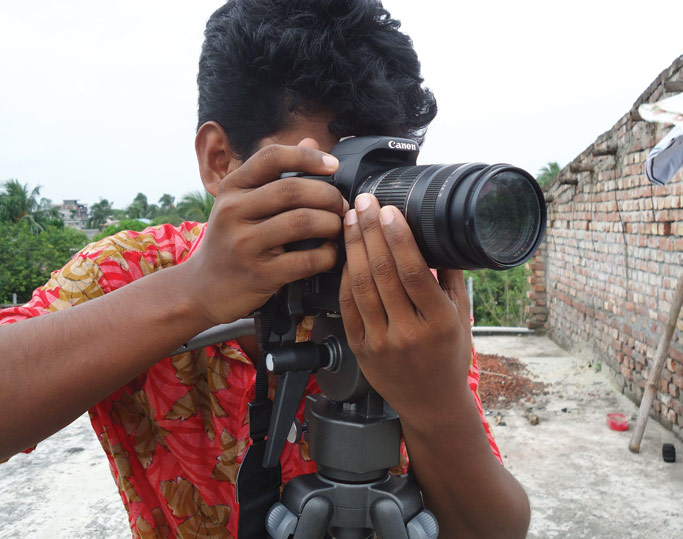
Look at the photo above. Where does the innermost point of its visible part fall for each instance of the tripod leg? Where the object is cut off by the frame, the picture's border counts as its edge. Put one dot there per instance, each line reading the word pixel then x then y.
pixel 315 519
pixel 388 520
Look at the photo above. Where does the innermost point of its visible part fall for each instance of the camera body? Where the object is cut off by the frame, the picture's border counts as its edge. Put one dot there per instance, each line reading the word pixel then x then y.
pixel 361 158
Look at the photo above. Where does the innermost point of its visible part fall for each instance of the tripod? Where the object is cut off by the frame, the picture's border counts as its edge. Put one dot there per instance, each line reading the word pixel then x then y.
pixel 354 437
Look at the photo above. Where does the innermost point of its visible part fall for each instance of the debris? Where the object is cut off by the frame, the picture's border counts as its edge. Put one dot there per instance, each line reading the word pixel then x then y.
pixel 494 373
pixel 504 381
pixel 532 417
pixel 498 421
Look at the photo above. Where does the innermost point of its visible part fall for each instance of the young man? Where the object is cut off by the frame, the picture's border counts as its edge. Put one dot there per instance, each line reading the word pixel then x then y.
pixel 280 82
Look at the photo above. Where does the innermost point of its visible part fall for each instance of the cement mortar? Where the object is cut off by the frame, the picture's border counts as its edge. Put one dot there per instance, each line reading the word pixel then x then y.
pixel 581 479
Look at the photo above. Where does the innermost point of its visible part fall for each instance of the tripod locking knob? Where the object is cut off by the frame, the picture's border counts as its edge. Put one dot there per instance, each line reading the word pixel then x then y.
pixel 299 357
pixel 423 526
pixel 296 431
pixel 280 522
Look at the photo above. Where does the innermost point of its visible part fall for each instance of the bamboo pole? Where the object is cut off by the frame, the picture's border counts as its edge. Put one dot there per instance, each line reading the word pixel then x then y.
pixel 656 372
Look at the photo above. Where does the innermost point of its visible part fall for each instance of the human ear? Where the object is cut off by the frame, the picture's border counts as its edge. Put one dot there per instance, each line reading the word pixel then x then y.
pixel 214 155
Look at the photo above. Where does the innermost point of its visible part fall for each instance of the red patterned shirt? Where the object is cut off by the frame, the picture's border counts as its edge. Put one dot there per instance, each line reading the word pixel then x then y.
pixel 176 435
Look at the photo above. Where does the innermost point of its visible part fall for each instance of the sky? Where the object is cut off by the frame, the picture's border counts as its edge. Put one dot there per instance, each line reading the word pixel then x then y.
pixel 98 97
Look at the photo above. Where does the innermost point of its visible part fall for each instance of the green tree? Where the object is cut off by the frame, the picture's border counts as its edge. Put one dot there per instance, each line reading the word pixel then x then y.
pixel 28 257
pixel 99 213
pixel 548 173
pixel 18 202
pixel 500 297
pixel 168 213
pixel 169 216
pixel 196 206
pixel 140 208
pixel 166 202
pixel 126 224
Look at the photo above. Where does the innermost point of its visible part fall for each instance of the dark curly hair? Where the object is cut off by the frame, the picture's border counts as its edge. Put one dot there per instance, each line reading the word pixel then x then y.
pixel 263 60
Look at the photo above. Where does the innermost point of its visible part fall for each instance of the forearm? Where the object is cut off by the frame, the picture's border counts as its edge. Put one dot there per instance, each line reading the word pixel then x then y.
pixel 56 366
pixel 463 484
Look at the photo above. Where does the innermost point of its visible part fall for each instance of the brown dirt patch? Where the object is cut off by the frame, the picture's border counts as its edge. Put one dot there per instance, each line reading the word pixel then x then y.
pixel 503 381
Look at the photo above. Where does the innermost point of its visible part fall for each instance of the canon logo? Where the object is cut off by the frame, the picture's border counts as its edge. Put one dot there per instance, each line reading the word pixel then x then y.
pixel 402 145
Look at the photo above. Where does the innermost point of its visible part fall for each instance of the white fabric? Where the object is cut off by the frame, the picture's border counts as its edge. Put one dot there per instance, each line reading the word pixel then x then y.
pixel 666 111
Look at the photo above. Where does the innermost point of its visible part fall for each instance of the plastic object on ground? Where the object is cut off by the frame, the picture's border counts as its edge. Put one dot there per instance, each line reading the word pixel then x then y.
pixel 617 421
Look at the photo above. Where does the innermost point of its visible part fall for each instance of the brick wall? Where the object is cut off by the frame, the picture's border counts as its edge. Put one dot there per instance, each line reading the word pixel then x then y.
pixel 603 281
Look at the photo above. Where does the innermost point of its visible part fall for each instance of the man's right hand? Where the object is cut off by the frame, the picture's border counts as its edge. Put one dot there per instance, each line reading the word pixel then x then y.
pixel 57 366
pixel 242 260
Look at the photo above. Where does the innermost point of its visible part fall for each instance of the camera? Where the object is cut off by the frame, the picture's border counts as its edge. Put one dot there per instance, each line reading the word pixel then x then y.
pixel 463 216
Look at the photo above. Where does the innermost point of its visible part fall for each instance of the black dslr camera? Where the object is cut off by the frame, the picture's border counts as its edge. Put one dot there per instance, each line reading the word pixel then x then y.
pixel 465 216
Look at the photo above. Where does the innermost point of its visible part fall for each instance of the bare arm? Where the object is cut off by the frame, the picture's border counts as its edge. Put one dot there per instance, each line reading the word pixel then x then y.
pixel 471 493
pixel 413 343
pixel 56 366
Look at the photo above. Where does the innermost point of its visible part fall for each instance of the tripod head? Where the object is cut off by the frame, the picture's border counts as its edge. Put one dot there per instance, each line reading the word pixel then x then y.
pixel 346 391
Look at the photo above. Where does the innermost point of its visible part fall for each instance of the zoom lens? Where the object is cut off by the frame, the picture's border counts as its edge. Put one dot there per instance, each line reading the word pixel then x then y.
pixel 467 216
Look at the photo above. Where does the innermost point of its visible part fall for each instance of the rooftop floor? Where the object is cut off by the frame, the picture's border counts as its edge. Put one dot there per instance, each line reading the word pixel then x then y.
pixel 582 480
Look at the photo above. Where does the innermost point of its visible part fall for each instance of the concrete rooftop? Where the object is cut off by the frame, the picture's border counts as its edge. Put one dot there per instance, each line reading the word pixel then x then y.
pixel 582 480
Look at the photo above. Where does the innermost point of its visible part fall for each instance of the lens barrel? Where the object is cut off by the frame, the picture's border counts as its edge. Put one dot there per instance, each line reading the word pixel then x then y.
pixel 467 216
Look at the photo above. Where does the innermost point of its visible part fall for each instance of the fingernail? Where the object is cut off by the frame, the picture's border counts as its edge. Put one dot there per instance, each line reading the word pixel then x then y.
pixel 362 202
pixel 351 218
pixel 345 206
pixel 386 215
pixel 330 161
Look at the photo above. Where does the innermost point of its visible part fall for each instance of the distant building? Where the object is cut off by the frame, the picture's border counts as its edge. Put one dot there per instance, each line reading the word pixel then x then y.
pixel 74 214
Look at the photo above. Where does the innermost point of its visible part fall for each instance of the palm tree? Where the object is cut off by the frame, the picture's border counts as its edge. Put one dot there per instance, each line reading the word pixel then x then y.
pixel 166 202
pixel 196 206
pixel 17 203
pixel 548 173
pixel 99 212
pixel 141 209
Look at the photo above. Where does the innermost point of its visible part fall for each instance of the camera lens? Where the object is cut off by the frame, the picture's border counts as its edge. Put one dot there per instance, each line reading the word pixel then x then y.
pixel 467 216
